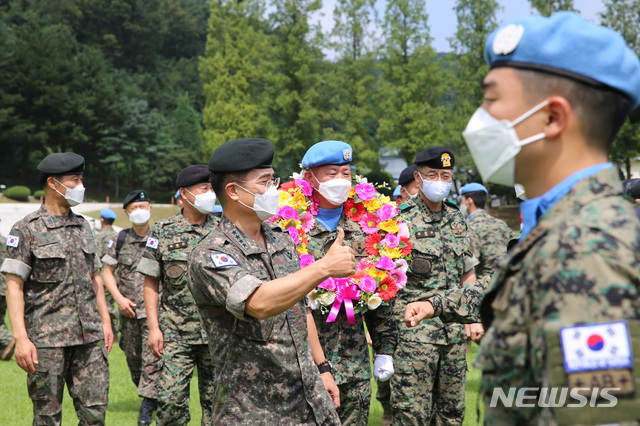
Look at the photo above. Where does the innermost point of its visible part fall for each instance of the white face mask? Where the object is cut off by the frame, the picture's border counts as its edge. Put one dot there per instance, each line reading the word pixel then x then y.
pixel 139 216
pixel 335 191
pixel 265 205
pixel 74 196
pixel 463 209
pixel 494 144
pixel 520 191
pixel 411 197
pixel 435 190
pixel 204 202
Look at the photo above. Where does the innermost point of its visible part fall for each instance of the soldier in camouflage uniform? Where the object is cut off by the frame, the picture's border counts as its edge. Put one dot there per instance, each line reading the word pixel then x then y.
pixel 7 344
pixel 246 280
pixel 429 382
pixel 577 260
pixel 105 237
pixel 489 236
pixel 128 292
pixel 344 344
pixel 56 300
pixel 178 338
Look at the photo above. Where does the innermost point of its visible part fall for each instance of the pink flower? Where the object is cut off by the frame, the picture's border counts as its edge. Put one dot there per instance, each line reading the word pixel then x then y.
pixel 304 186
pixel 367 284
pixel 404 230
pixel 364 263
pixel 313 206
pixel 385 263
pixel 402 265
pixel 328 284
pixel 307 222
pixel 294 234
pixel 391 241
pixel 387 212
pixel 369 223
pixel 288 213
pixel 306 260
pixel 399 276
pixel 365 191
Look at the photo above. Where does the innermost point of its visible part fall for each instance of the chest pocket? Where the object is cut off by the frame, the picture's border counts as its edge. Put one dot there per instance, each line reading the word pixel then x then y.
pixel 175 266
pixel 49 264
pixel 425 257
pixel 255 329
pixel 125 258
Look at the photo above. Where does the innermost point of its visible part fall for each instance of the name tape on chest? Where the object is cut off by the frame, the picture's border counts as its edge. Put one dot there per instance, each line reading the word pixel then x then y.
pixel 13 241
pixel 429 233
pixel 220 260
pixel 177 246
pixel 152 243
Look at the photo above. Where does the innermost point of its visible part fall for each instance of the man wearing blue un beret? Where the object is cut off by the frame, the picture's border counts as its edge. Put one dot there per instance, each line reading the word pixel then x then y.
pixel 558 91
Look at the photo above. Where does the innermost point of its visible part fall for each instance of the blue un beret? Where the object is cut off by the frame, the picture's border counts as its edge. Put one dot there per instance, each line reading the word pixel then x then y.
pixel 473 187
pixel 396 192
pixel 177 194
pixel 108 214
pixel 328 152
pixel 567 45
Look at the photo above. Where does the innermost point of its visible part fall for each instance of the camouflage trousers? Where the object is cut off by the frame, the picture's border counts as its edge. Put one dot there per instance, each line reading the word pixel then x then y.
pixel 85 370
pixel 177 364
pixel 428 384
pixel 143 365
pixel 5 334
pixel 355 398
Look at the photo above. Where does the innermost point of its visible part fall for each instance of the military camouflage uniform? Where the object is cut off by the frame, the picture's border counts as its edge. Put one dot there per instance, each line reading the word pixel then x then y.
pixel 489 238
pixel 579 264
pixel 143 365
pixel 105 238
pixel 5 334
pixel 56 257
pixel 430 373
pixel 185 342
pixel 265 371
pixel 345 345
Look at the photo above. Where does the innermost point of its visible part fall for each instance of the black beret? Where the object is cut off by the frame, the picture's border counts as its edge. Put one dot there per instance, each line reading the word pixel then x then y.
pixel 242 154
pixel 137 195
pixel 192 175
pixel 406 175
pixel 632 187
pixel 436 157
pixel 62 163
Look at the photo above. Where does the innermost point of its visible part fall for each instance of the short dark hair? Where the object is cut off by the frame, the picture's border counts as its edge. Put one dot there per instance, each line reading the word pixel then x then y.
pixel 601 112
pixel 479 198
pixel 107 221
pixel 220 180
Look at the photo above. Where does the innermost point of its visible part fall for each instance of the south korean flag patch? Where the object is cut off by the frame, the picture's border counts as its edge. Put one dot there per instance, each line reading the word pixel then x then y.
pixel 13 241
pixel 110 244
pixel 220 260
pixel 152 243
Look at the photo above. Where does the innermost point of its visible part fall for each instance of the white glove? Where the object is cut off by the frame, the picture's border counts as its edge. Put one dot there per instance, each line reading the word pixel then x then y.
pixel 383 367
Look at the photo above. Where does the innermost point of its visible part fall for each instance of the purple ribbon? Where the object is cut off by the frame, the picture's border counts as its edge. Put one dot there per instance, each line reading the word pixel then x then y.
pixel 346 292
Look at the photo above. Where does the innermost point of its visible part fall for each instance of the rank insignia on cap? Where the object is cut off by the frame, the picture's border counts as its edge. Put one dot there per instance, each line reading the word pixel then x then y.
pixel 13 241
pixel 153 243
pixel 110 244
pixel 446 160
pixel 507 39
pixel 346 154
pixel 220 260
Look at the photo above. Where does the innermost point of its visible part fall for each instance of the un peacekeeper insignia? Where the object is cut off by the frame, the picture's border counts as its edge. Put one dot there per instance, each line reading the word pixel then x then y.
pixel 429 233
pixel 457 229
pixel 346 154
pixel 13 241
pixel 220 260
pixel 174 271
pixel 176 246
pixel 507 39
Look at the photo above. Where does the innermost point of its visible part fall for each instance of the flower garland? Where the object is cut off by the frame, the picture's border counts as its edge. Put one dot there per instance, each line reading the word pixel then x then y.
pixel 380 275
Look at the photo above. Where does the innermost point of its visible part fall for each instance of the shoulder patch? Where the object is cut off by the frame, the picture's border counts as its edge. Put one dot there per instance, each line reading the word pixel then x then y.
pixel 220 260
pixel 152 242
pixel 13 241
pixel 110 244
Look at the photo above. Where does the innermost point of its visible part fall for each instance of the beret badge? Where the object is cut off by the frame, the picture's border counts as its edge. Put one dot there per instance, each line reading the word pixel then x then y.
pixel 507 39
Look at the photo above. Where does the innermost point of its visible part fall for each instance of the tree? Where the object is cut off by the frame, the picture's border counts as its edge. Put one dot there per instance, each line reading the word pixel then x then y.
pixel 549 7
pixel 186 131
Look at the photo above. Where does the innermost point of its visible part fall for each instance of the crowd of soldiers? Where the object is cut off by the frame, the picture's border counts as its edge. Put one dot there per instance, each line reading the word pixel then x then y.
pixel 227 294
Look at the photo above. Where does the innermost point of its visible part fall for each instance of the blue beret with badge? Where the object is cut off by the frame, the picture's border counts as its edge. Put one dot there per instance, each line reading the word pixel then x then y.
pixel 396 192
pixel 568 46
pixel 108 214
pixel 328 152
pixel 473 187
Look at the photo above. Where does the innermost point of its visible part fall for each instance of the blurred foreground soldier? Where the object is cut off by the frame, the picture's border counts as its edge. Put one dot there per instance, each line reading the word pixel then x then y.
pixel 105 238
pixel 632 189
pixel 409 186
pixel 56 300
pixel 246 280
pixel 565 310
pixel 122 259
pixel 7 343
pixel 175 333
pixel 489 236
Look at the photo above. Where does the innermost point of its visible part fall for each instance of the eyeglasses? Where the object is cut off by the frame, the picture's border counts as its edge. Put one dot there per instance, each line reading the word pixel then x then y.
pixel 433 176
pixel 267 185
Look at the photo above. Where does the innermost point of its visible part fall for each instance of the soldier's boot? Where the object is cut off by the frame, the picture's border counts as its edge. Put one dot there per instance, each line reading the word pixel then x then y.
pixel 148 406
pixel 7 351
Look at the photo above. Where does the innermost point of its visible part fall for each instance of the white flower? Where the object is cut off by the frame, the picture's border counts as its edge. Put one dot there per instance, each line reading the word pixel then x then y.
pixel 403 230
pixel 327 298
pixel 297 176
pixel 374 301
pixel 403 264
pixel 311 300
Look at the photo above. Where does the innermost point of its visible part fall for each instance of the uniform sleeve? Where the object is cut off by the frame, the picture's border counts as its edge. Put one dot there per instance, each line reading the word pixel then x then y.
pixel 461 304
pixel 383 329
pixel 215 285
pixel 110 257
pixel 18 261
pixel 151 262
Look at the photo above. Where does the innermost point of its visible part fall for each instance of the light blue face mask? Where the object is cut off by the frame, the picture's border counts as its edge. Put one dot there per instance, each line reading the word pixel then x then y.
pixel 435 190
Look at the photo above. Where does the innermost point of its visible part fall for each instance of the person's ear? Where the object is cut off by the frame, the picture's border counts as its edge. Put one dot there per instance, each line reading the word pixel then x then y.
pixel 558 113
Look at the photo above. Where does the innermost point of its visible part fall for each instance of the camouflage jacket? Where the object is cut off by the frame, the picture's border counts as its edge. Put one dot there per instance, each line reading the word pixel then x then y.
pixel 580 264
pixel 3 255
pixel 167 261
pixel 130 282
pixel 265 372
pixel 345 345
pixel 105 238
pixel 56 257
pixel 489 238
pixel 441 255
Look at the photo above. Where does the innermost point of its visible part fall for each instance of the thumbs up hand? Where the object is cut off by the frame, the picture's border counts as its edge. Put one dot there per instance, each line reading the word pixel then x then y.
pixel 340 261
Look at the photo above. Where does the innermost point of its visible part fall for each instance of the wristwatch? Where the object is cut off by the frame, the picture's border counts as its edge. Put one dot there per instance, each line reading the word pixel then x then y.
pixel 325 367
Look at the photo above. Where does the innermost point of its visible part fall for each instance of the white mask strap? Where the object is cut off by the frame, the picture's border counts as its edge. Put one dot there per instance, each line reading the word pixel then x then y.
pixel 529 113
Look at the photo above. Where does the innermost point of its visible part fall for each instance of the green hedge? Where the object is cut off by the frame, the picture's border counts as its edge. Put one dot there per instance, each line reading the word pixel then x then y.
pixel 18 193
pixel 39 193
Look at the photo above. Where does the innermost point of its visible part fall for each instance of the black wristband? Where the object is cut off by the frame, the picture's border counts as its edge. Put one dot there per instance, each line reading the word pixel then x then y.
pixel 325 367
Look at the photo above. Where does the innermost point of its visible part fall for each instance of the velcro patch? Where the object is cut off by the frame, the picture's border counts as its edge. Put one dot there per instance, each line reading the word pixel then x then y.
pixel 176 246
pixel 220 260
pixel 13 241
pixel 110 244
pixel 152 242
